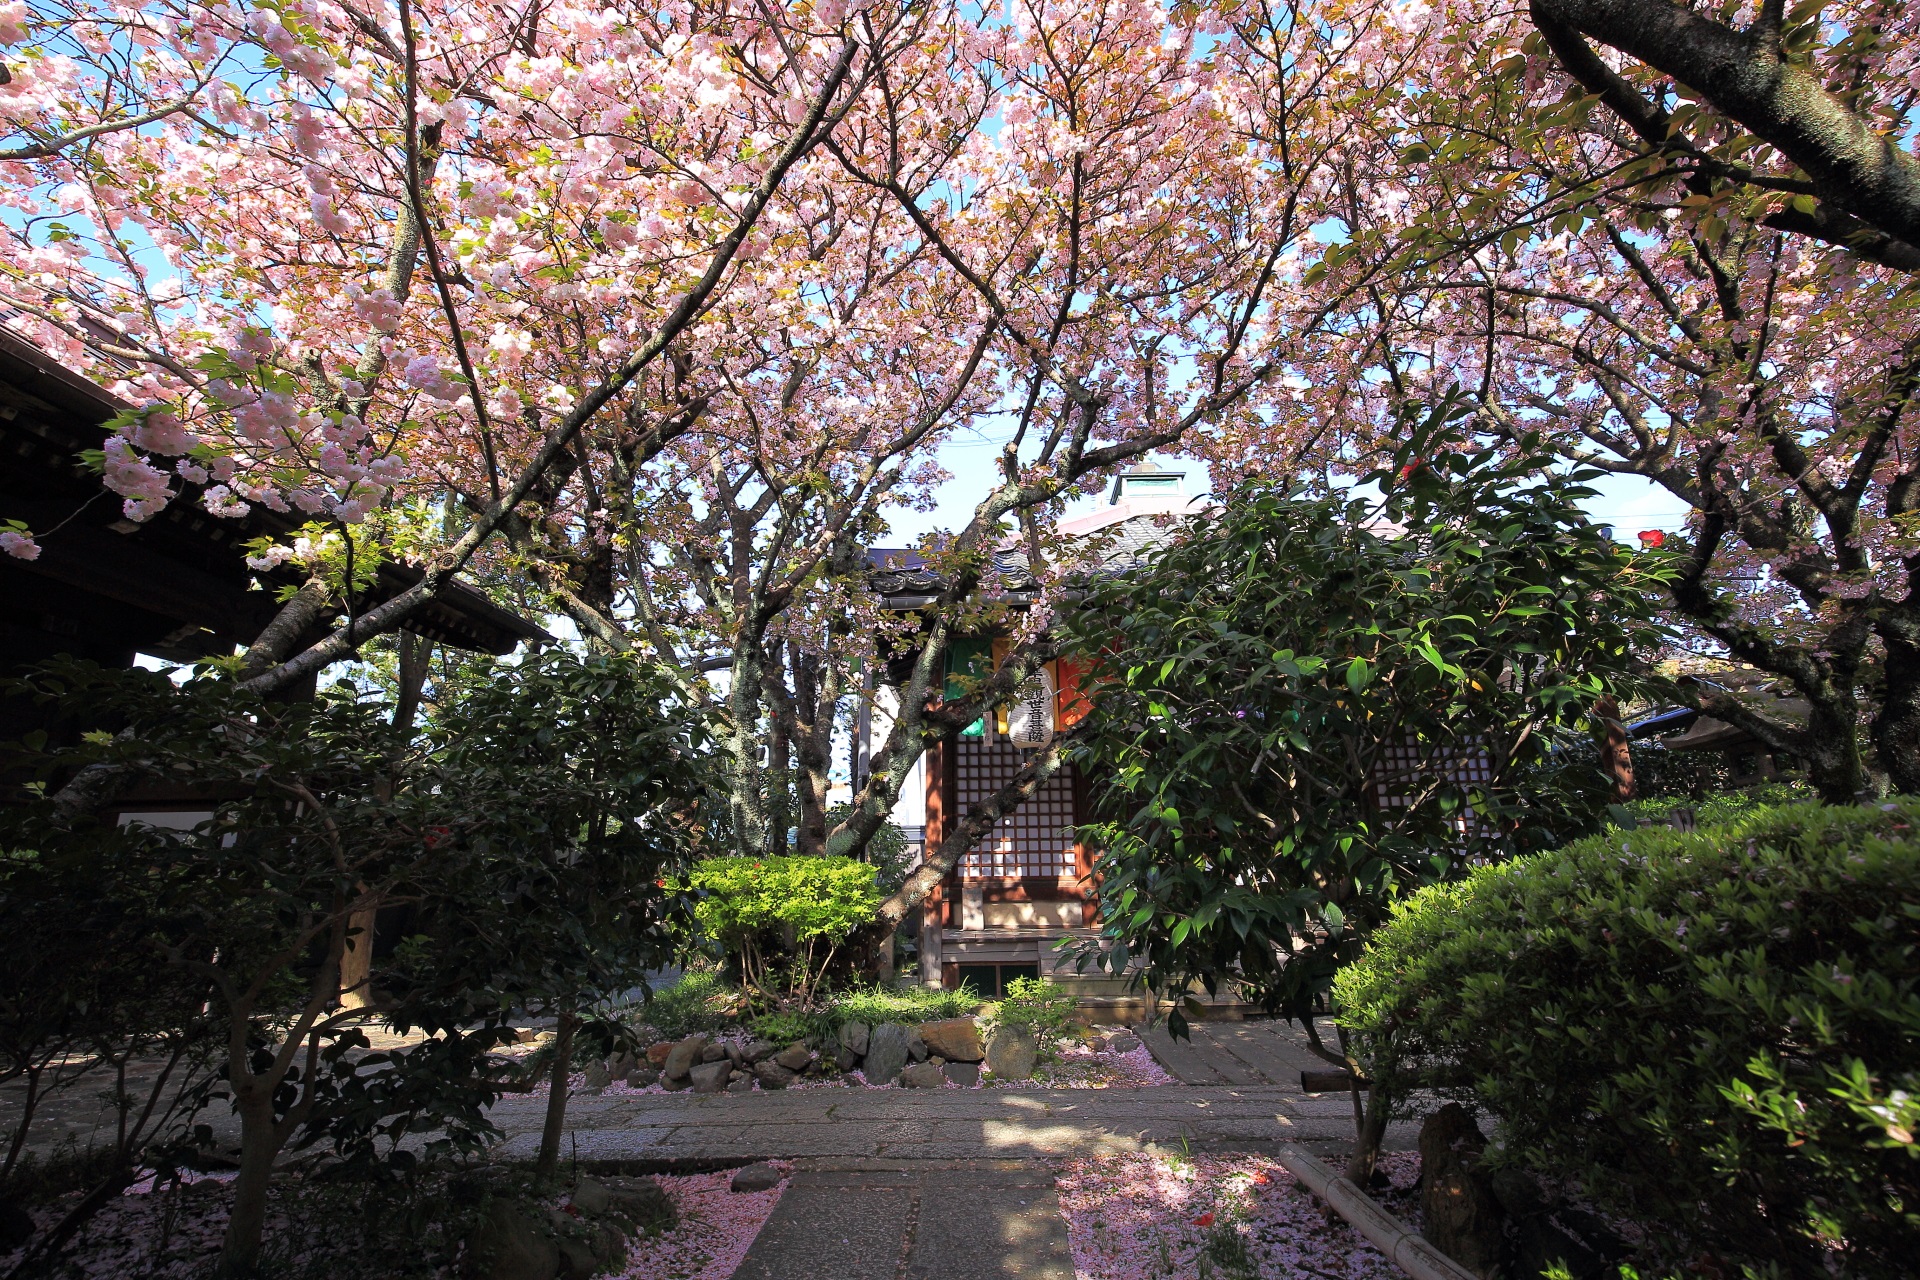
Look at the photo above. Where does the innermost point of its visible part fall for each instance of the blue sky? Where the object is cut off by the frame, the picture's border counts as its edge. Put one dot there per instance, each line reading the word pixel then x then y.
pixel 1628 503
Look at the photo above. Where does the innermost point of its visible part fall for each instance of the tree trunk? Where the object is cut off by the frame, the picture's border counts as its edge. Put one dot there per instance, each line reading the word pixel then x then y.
pixel 1373 1131
pixel 259 1143
pixel 746 779
pixel 815 702
pixel 556 1121
pixel 1896 729
pixel 1617 752
pixel 1833 750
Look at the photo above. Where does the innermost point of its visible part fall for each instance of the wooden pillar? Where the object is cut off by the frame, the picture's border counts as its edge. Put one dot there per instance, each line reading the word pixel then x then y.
pixel 1616 752
pixel 1086 874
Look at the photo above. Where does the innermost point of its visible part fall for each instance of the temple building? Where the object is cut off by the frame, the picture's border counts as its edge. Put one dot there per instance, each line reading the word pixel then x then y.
pixel 1004 910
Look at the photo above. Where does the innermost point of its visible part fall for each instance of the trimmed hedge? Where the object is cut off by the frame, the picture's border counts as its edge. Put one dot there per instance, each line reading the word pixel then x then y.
pixel 1716 1033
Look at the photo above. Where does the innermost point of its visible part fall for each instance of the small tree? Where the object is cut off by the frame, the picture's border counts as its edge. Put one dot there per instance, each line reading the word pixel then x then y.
pixel 807 906
pixel 568 792
pixel 1310 705
pixel 528 835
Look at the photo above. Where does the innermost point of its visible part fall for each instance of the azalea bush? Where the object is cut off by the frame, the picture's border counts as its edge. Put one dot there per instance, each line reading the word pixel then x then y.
pixel 799 910
pixel 1715 1033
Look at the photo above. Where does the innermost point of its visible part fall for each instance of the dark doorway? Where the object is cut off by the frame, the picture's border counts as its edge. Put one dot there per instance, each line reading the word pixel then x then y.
pixel 989 981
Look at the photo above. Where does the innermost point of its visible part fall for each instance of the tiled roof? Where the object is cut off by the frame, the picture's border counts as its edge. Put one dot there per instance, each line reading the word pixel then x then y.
pixel 1126 539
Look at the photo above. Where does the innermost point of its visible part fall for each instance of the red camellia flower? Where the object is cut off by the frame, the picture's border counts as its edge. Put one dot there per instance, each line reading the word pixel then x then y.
pixel 1411 467
pixel 1204 1220
pixel 1651 538
pixel 1260 1179
pixel 434 837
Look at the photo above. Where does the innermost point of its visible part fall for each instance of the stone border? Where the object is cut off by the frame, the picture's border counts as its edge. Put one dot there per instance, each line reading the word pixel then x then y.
pixel 1406 1249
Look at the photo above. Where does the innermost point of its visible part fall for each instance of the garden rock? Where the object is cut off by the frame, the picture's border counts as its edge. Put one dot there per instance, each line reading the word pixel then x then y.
pixel 886 1053
pixel 710 1077
pixel 597 1077
pixel 756 1177
pixel 1122 1042
pixel 643 1201
pixel 964 1074
pixel 794 1057
pixel 916 1047
pixel 657 1054
pixel 853 1037
pixel 712 1052
pixel 1464 1219
pixel 641 1077
pixel 1011 1053
pixel 845 1058
pixel 760 1050
pixel 592 1196
pixel 734 1055
pixel 674 1086
pixel 16 1226
pixel 740 1084
pixel 772 1075
pixel 619 1064
pixel 586 1253
pixel 510 1244
pixel 923 1075
pixel 955 1039
pixel 684 1057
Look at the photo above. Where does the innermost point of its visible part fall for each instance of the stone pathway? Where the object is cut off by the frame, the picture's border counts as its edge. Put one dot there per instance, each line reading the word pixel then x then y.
pixel 914 1220
pixel 1244 1053
pixel 665 1129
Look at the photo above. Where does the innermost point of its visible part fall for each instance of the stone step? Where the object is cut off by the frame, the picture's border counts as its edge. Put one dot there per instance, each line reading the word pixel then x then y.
pixel 914 1220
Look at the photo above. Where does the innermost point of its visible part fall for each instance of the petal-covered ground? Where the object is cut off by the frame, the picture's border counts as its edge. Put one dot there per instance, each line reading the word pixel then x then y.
pixel 1229 1217
pixel 174 1234
pixel 717 1227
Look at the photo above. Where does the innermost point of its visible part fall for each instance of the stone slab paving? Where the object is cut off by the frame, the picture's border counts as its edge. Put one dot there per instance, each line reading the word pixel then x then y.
pixel 946 1124
pixel 914 1220
pixel 1262 1052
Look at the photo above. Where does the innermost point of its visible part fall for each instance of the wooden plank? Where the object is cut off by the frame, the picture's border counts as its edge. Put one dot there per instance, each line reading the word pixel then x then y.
pixel 1264 1049
pixel 1330 1082
pixel 1183 1060
pixel 1213 1047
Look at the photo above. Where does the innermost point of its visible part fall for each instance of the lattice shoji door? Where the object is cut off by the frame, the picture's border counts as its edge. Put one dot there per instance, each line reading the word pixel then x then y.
pixel 1034 840
pixel 1407 763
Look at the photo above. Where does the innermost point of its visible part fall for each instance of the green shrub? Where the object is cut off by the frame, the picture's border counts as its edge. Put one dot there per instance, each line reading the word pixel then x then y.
pixel 785 1028
pixel 1038 1005
pixel 1721 807
pixel 813 902
pixel 871 1005
pixel 1717 1033
pixel 699 1001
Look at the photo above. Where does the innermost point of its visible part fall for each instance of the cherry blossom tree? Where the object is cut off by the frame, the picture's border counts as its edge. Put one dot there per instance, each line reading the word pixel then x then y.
pixel 310 242
pixel 1140 231
pixel 1084 231
pixel 1645 313
pixel 1816 102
